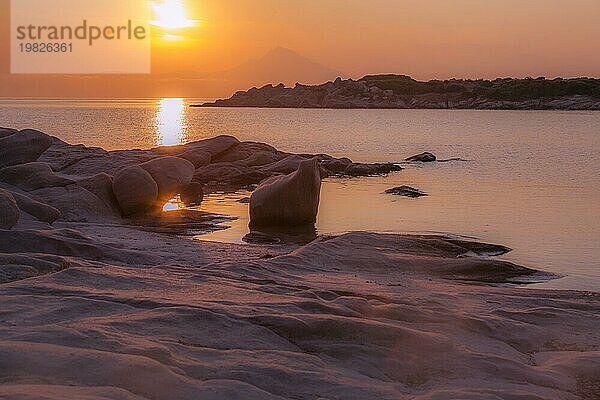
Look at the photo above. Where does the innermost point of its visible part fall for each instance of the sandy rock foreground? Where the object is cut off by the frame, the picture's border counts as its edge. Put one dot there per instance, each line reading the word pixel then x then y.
pixel 105 309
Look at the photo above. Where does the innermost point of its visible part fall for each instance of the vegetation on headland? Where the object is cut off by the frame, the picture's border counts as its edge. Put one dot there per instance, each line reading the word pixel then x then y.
pixel 507 89
pixel 401 91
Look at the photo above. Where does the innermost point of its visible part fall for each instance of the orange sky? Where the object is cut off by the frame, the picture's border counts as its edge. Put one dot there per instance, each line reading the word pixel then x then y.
pixel 423 38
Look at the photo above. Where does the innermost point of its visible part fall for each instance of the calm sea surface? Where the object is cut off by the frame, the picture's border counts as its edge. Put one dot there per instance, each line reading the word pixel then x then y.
pixel 531 182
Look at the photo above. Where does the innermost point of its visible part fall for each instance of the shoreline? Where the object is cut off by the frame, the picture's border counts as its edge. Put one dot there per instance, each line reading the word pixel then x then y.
pixel 212 105
pixel 403 92
pixel 106 308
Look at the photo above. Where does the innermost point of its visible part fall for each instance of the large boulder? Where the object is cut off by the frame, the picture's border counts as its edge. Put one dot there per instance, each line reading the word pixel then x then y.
pixel 288 200
pixel 9 211
pixel 135 189
pixel 170 174
pixel 76 204
pixel 31 176
pixel 23 147
pixel 214 146
pixel 41 211
pixel 199 157
pixel 101 185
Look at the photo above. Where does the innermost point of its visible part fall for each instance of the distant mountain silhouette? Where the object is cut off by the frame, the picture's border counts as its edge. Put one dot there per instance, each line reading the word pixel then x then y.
pixel 279 65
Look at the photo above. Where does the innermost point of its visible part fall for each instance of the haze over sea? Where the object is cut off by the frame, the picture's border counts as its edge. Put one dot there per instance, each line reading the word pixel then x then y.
pixel 530 180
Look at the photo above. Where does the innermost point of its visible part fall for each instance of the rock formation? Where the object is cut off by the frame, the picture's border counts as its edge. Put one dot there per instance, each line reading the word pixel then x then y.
pixel 402 92
pixel 288 200
pixel 32 176
pixel 406 191
pixel 135 190
pixel 423 157
pixel 9 211
pixel 52 180
pixel 170 174
pixel 192 194
pixel 22 147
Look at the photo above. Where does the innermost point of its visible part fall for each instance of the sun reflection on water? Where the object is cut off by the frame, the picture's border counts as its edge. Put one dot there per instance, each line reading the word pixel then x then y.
pixel 170 122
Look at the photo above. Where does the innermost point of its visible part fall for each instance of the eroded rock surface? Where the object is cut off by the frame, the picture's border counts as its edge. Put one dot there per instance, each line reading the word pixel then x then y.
pixel 97 307
pixel 359 316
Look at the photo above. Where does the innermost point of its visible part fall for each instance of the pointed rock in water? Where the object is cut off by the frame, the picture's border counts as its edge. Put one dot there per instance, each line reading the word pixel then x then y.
pixel 9 211
pixel 135 190
pixel 288 200
pixel 22 147
pixel 423 157
pixel 406 191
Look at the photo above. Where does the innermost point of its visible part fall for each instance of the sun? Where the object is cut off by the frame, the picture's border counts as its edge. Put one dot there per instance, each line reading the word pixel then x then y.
pixel 171 14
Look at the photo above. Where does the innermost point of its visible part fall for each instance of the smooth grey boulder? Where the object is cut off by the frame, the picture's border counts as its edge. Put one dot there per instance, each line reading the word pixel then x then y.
pixel 33 175
pixel 23 147
pixel 214 146
pixel 199 158
pixel 288 200
pixel 423 157
pixel 41 211
pixel 76 204
pixel 101 185
pixel 170 174
pixel 9 211
pixel 135 190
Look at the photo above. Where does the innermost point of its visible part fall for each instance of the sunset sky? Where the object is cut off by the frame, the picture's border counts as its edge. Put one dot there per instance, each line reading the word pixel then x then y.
pixel 425 39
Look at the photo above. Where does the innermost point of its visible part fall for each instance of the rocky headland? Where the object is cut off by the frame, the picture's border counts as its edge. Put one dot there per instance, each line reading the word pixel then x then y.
pixel 403 92
pixel 103 296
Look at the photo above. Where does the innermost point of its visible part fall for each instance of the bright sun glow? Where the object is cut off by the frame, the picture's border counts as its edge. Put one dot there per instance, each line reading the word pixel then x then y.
pixel 171 14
